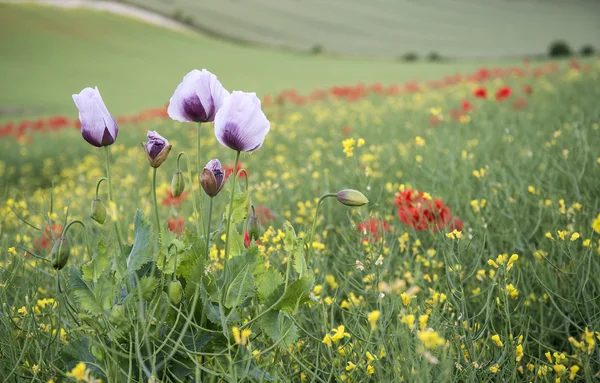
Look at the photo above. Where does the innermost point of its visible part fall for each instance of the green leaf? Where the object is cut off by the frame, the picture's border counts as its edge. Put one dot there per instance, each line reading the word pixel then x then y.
pixel 290 242
pixel 267 283
pixel 141 253
pixel 300 262
pixel 295 249
pixel 96 266
pixel 240 207
pixel 193 249
pixel 279 327
pixel 84 293
pixel 296 294
pixel 236 243
pixel 239 278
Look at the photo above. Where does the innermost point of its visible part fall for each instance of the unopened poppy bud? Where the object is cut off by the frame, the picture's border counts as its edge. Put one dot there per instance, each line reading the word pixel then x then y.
pixel 254 229
pixel 98 211
pixel 175 292
pixel 212 178
pixel 157 149
pixel 351 197
pixel 177 184
pixel 117 314
pixel 60 253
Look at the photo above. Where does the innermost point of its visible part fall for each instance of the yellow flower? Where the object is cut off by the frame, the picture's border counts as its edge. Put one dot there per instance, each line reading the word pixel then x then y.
pixel 409 320
pixel 370 370
pixel 531 190
pixel 12 250
pixel 419 141
pixel 339 333
pixel 559 369
pixel 596 224
pixel 561 234
pixel 330 279
pixel 455 234
pixel 431 339
pixel 360 142
pixel 548 356
pixel 549 235
pixel 511 261
pixel 79 372
pixel 495 368
pixel 519 352
pixel 22 311
pixel 574 369
pixel 372 317
pixel 512 291
pixel 370 357
pixel 351 366
pixel 492 263
pixel 241 337
pixel 317 289
pixel 348 146
pixel 496 339
pixel 405 299
pixel 575 237
pixel 327 340
pixel 423 321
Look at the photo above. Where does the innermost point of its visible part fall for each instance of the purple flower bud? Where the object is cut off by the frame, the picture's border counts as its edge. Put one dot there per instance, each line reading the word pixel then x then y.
pixel 240 124
pixel 98 127
pixel 157 149
pixel 212 178
pixel 197 98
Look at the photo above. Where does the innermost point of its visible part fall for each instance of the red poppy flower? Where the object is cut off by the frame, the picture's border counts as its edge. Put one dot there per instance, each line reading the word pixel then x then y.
pixel 503 93
pixel 264 214
pixel 176 225
pixel 44 242
pixel 480 92
pixel 434 120
pixel 519 103
pixel 527 89
pixel 423 213
pixel 466 106
pixel 248 241
pixel 229 170
pixel 372 229
pixel 169 200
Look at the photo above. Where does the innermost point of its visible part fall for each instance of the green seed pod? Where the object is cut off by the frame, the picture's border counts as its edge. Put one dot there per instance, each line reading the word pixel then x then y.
pixel 177 184
pixel 351 197
pixel 175 292
pixel 254 229
pixel 117 314
pixel 60 253
pixel 98 353
pixel 98 211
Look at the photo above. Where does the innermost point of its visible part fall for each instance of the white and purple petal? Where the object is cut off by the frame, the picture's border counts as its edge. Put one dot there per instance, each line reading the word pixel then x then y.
pixel 98 127
pixel 240 123
pixel 197 98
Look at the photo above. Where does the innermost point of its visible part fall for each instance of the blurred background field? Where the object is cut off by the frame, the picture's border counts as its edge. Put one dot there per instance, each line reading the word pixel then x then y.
pixel 50 53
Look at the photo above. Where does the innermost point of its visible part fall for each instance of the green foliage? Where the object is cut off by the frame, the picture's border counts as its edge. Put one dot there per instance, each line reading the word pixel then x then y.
pixel 93 269
pixel 141 253
pixel 95 297
pixel 559 48
pixel 239 278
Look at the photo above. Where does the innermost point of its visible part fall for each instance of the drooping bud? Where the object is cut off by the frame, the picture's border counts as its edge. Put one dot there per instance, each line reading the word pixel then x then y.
pixel 351 197
pixel 175 292
pixel 254 229
pixel 212 178
pixel 177 184
pixel 98 211
pixel 60 253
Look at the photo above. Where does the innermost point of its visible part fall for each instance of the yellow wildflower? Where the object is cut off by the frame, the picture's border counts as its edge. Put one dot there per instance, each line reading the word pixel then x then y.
pixel 496 339
pixel 360 142
pixel 423 321
pixel 511 261
pixel 409 320
pixel 519 353
pixel 370 370
pixel 351 366
pixel 495 368
pixel 405 299
pixel 455 234
pixel 596 224
pixel 575 237
pixel 348 146
pixel 512 291
pixel 561 234
pixel 79 372
pixel 574 369
pixel 330 279
pixel 12 250
pixel 431 339
pixel 372 317
pixel 339 333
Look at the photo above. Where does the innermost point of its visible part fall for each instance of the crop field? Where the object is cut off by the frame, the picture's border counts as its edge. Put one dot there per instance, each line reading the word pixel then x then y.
pixel 135 64
pixel 392 28
pixel 475 258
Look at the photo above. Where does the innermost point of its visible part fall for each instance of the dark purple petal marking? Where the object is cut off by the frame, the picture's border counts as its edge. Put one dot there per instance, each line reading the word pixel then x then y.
pixel 193 109
pixel 231 137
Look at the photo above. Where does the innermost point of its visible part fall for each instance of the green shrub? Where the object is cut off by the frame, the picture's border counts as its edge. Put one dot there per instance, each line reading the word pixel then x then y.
pixel 559 48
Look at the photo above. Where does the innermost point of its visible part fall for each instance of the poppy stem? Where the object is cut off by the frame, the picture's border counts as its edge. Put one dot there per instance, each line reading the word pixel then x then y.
pixel 98 185
pixel 314 224
pixel 207 239
pixel 191 181
pixel 87 241
pixel 110 198
pixel 199 170
pixel 155 202
pixel 234 175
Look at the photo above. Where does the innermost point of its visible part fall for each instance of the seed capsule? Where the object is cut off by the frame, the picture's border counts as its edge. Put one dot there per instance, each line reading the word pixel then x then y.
pixel 60 253
pixel 177 184
pixel 175 292
pixel 98 211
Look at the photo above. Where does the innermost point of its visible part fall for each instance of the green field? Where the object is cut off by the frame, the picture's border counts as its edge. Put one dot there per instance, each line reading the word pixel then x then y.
pixel 49 54
pixel 391 28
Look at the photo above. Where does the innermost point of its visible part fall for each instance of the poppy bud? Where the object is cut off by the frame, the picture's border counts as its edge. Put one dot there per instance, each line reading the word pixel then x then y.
pixel 117 314
pixel 212 178
pixel 98 211
pixel 60 253
pixel 254 229
pixel 157 149
pixel 175 292
pixel 351 197
pixel 177 184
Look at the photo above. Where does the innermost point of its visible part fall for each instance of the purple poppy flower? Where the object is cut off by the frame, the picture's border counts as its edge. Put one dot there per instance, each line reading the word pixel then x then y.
pixel 197 98
pixel 212 178
pixel 98 127
pixel 157 149
pixel 240 124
